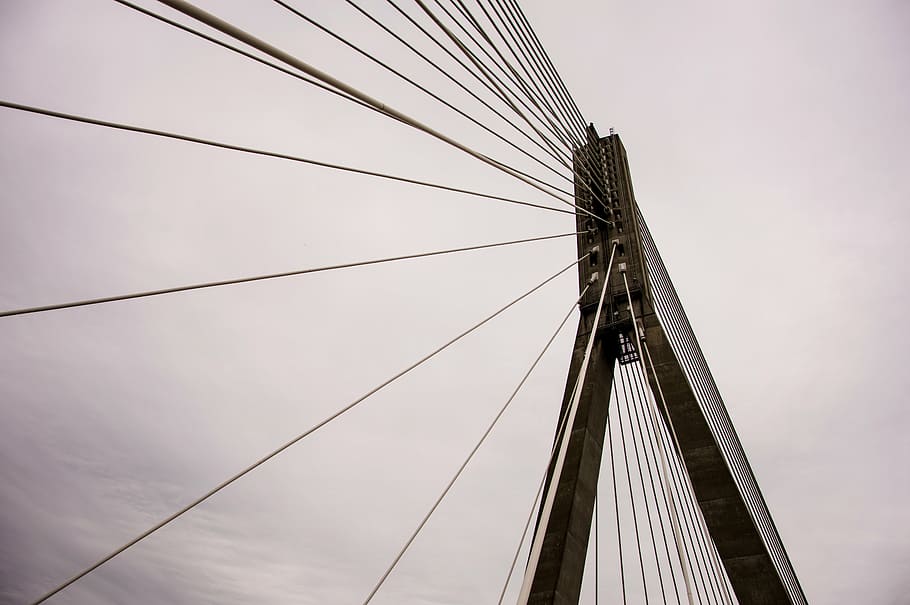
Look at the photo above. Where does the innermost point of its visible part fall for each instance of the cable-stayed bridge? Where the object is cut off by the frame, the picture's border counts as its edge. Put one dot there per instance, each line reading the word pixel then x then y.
pixel 641 411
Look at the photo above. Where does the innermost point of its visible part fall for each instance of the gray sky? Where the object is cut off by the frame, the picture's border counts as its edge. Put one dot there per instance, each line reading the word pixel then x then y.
pixel 768 144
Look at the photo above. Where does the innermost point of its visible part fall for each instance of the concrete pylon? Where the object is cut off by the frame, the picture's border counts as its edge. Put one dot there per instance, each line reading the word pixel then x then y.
pixel 603 186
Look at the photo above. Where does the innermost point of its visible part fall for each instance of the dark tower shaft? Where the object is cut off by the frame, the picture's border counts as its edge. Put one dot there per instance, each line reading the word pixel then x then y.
pixel 603 185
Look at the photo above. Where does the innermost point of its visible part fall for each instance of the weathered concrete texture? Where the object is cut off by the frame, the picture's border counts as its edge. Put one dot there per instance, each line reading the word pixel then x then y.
pixel 560 568
pixel 559 572
pixel 606 189
pixel 749 567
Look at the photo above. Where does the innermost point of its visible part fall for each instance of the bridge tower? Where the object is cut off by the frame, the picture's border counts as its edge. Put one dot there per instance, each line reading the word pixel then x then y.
pixel 603 186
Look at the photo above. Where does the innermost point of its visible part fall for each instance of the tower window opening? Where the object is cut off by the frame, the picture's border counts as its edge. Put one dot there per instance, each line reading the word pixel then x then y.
pixel 627 352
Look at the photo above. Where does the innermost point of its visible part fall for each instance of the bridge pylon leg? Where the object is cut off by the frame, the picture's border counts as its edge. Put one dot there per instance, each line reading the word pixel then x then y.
pixel 562 560
pixel 739 529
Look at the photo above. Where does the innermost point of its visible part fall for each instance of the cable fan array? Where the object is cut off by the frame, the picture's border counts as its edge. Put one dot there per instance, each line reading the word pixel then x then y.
pixel 488 50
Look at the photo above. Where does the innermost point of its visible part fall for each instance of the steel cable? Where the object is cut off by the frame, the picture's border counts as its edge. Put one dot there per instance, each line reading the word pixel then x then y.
pixel 710 400
pixel 505 67
pixel 716 411
pixel 248 55
pixel 581 133
pixel 241 280
pixel 499 94
pixel 698 387
pixel 640 401
pixel 498 84
pixel 470 456
pixel 697 531
pixel 298 438
pixel 639 345
pixel 457 82
pixel 282 156
pixel 431 94
pixel 541 530
pixel 547 61
pixel 630 397
pixel 622 570
pixel 560 434
pixel 567 138
pixel 493 80
pixel 510 21
pixel 625 456
pixel 673 505
pixel 522 62
pixel 684 478
pixel 213 21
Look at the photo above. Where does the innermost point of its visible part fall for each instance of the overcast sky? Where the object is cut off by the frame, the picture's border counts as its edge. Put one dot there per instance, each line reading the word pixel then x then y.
pixel 768 143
